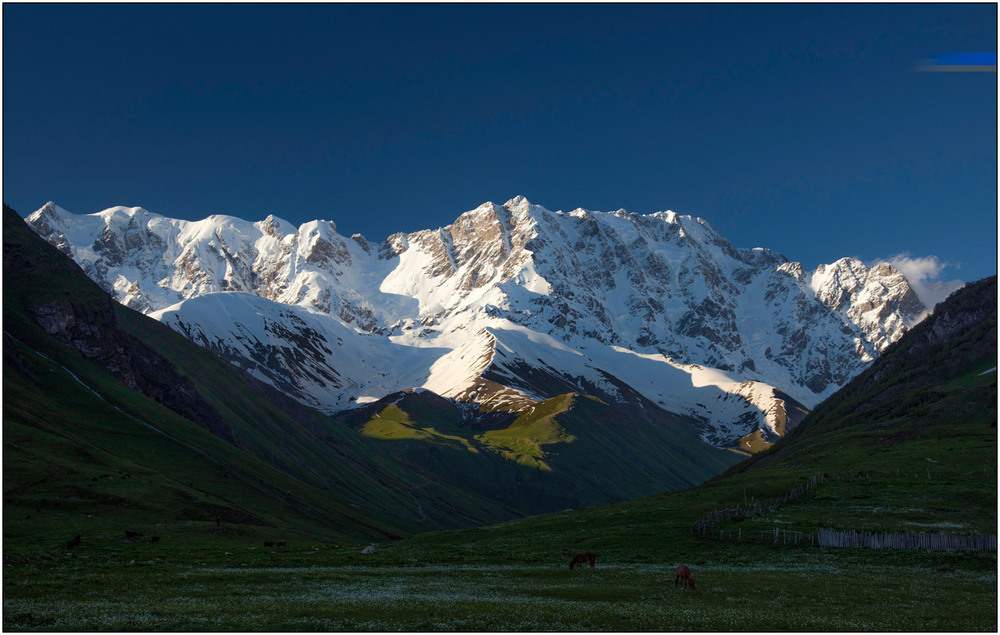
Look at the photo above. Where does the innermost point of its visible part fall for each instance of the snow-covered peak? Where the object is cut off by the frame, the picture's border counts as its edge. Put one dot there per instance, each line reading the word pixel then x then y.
pixel 518 203
pixel 50 210
pixel 120 213
pixel 274 226
pixel 667 216
pixel 48 217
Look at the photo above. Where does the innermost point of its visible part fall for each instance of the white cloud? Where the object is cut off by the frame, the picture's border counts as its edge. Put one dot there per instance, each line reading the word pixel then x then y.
pixel 924 275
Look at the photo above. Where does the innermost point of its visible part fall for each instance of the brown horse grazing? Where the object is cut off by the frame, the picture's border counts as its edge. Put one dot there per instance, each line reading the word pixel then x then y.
pixel 684 576
pixel 582 558
pixel 74 542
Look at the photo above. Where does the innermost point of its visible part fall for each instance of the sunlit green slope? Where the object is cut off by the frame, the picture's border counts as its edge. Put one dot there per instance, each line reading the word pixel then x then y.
pixel 566 452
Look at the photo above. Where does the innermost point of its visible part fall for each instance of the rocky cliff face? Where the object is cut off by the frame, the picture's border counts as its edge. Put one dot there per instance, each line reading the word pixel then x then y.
pixel 508 303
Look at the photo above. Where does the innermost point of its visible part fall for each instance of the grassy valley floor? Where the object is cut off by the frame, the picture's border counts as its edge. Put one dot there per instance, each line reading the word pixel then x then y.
pixel 245 590
pixel 511 576
pixel 888 475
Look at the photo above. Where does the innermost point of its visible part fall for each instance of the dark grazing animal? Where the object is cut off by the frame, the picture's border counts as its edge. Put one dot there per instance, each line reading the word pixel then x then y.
pixel 582 558
pixel 75 542
pixel 269 544
pixel 156 539
pixel 132 535
pixel 684 576
pixel 281 543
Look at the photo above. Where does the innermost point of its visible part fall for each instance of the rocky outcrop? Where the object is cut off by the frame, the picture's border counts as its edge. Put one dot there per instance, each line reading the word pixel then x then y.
pixel 93 333
pixel 86 321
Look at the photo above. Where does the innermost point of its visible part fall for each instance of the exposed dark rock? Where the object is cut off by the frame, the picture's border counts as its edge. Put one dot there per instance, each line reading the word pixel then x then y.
pixel 86 322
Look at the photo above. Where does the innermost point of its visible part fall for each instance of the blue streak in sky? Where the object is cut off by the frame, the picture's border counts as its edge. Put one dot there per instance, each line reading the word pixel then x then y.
pixel 960 62
pixel 966 59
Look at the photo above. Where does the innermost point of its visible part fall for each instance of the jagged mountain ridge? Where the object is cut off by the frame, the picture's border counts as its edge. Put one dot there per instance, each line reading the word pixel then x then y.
pixel 504 306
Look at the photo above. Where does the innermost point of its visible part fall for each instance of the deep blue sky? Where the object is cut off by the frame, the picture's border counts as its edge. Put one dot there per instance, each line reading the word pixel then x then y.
pixel 802 128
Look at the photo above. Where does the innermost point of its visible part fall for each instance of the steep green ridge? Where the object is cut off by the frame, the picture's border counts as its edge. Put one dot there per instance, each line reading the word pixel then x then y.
pixel 106 471
pixel 523 441
pixel 77 436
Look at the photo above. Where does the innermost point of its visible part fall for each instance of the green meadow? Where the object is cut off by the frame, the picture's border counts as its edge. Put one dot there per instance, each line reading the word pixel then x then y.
pixel 515 575
pixel 434 584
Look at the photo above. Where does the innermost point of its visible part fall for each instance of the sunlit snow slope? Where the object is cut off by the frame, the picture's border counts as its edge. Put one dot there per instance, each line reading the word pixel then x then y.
pixel 508 305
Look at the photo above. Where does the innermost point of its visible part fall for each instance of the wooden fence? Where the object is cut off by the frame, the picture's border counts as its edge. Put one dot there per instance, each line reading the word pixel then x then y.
pixel 908 540
pixel 705 527
pixel 876 540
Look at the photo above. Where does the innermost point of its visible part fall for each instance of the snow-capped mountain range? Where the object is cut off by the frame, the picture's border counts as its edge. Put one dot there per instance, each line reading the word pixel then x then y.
pixel 508 305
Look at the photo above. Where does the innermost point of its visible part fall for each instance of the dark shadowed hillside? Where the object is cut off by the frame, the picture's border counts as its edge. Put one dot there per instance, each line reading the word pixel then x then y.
pixel 112 419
